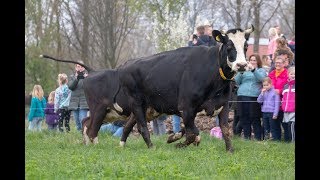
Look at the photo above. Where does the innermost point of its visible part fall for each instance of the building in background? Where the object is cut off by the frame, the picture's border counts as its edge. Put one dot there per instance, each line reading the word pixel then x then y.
pixel 263 46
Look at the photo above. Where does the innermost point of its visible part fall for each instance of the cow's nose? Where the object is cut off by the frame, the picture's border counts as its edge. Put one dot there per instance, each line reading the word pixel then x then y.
pixel 241 66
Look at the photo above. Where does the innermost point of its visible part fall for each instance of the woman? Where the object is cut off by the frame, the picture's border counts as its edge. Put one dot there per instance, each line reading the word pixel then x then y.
pixel 279 77
pixel 248 109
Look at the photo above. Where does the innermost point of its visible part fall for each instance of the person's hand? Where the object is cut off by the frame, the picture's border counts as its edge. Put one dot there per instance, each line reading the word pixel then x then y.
pixel 263 90
pixel 274 117
pixel 194 41
pixel 277 91
pixel 85 74
pixel 191 37
pixel 250 67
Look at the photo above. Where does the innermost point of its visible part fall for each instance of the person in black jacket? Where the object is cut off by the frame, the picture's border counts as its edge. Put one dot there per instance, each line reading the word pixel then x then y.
pixel 78 104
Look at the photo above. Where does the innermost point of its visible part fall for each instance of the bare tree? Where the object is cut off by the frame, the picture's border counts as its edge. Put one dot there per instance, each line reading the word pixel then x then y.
pixel 268 8
pixel 287 14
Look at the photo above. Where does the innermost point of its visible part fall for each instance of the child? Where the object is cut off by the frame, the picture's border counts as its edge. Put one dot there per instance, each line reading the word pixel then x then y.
pixel 282 44
pixel 61 102
pixel 51 117
pixel 288 106
pixel 270 101
pixel 38 103
pixel 266 63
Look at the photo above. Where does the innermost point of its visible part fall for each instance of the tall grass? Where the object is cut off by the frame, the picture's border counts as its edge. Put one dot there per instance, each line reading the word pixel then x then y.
pixel 53 155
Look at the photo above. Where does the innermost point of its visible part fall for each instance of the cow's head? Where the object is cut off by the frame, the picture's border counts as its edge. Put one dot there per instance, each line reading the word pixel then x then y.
pixel 234 47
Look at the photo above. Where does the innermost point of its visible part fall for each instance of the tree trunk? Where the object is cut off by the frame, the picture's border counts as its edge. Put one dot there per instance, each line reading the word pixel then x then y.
pixel 85 35
pixel 256 33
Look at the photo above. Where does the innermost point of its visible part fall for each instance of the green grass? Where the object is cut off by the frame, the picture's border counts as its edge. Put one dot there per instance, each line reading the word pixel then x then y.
pixel 51 155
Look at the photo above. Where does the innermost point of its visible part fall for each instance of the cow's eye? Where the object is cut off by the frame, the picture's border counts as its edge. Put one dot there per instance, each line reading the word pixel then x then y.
pixel 229 45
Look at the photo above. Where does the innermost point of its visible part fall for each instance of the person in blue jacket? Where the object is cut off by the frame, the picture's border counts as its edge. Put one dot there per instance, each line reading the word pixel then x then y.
pixel 36 113
pixel 250 85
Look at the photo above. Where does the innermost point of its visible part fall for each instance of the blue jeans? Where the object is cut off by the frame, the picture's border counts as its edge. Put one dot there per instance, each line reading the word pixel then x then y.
pixel 35 124
pixel 158 126
pixel 267 120
pixel 112 129
pixel 176 123
pixel 78 116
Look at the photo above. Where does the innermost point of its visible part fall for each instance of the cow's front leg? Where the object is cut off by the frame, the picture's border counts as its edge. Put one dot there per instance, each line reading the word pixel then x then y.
pixel 127 129
pixel 224 125
pixel 191 130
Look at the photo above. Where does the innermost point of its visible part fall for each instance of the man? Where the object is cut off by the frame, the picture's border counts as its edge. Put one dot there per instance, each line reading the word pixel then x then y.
pixel 208 32
pixel 199 38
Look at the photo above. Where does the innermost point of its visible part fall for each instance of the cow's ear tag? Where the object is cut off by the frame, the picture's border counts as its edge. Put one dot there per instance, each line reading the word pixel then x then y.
pixel 217 38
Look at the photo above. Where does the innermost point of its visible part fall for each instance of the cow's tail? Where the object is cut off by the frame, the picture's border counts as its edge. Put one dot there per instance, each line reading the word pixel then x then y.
pixel 89 69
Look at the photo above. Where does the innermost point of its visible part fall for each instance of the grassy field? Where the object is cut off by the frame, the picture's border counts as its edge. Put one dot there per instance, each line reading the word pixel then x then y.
pixel 50 155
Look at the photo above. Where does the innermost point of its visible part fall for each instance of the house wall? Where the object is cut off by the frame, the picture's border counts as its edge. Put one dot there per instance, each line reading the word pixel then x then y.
pixel 263 46
pixel 263 49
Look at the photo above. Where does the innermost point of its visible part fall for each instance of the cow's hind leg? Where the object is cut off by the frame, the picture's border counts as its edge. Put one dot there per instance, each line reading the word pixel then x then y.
pixel 224 125
pixel 97 115
pixel 191 130
pixel 85 125
pixel 127 129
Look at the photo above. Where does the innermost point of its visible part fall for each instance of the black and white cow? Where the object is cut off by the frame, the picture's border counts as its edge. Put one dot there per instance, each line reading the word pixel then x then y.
pixel 186 81
pixel 182 81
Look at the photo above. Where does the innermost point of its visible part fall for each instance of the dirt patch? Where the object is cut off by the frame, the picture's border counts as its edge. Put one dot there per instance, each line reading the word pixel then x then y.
pixel 203 123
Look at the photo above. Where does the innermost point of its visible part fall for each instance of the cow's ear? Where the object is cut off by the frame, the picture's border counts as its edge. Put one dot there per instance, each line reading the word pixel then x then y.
pixel 218 36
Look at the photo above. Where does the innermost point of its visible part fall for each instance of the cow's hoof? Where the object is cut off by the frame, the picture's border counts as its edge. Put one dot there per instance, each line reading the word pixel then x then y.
pixel 150 145
pixel 197 140
pixel 174 137
pixel 122 143
pixel 230 150
pixel 170 138
pixel 95 140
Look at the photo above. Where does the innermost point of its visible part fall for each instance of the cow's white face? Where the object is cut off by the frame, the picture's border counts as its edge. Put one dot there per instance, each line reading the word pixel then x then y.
pixel 238 40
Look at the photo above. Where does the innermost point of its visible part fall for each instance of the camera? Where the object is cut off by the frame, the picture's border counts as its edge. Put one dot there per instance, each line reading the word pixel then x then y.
pixel 80 75
pixel 195 36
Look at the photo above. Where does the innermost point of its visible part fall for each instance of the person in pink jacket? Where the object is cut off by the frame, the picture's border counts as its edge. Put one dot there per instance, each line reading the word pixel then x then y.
pixel 279 77
pixel 288 106
pixel 272 45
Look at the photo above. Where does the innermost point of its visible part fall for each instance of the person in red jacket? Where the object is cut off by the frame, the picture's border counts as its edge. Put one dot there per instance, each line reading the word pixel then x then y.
pixel 279 77
pixel 288 106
